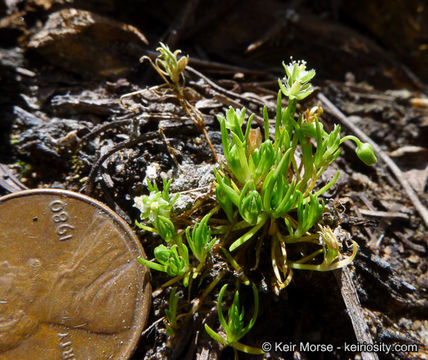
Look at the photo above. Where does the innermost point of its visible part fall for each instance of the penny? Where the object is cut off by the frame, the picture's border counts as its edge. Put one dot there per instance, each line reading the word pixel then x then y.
pixel 70 285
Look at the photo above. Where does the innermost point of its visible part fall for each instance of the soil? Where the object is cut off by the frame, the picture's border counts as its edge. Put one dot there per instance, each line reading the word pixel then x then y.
pixel 64 67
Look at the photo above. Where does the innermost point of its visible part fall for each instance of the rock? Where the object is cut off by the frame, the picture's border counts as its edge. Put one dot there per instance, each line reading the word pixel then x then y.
pixel 89 44
pixel 25 118
pixel 193 176
pixel 87 102
pixel 193 182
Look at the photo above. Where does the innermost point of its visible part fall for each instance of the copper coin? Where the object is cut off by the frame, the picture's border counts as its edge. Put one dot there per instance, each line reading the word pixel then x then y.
pixel 70 285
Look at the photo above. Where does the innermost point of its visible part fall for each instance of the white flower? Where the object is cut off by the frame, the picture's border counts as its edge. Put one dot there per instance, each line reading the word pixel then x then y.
pixel 152 206
pixel 295 84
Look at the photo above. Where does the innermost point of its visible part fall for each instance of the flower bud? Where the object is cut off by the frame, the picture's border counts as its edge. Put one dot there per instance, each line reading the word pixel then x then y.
pixel 162 254
pixel 263 158
pixel 238 162
pixel 250 207
pixel 366 154
pixel 166 228
pixel 235 120
pixel 182 63
pixel 174 264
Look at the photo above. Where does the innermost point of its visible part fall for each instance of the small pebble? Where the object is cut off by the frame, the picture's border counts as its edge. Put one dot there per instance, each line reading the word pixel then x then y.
pixel 414 259
pixel 416 325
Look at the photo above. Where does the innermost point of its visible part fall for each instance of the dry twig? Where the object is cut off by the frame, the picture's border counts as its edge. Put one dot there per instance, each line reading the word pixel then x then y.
pixel 223 90
pixel 8 181
pixel 355 311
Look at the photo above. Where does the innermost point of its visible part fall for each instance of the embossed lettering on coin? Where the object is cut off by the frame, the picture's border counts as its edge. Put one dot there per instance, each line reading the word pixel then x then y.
pixel 61 217
pixel 70 286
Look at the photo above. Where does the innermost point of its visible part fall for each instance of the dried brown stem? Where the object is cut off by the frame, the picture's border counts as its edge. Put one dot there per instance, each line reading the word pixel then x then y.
pixel 355 311
pixel 223 90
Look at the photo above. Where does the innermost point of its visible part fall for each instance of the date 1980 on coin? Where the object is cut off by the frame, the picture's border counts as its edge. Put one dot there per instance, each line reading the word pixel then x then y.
pixel 60 217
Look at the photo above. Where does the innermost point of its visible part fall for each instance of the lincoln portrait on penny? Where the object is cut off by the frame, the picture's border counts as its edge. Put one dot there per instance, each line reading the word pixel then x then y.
pixel 94 290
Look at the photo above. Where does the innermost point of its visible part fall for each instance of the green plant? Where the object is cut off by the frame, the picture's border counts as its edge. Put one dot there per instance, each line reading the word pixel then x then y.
pixel 157 208
pixel 276 181
pixel 269 190
pixel 200 242
pixel 172 260
pixel 234 328
pixel 171 68
pixel 171 312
